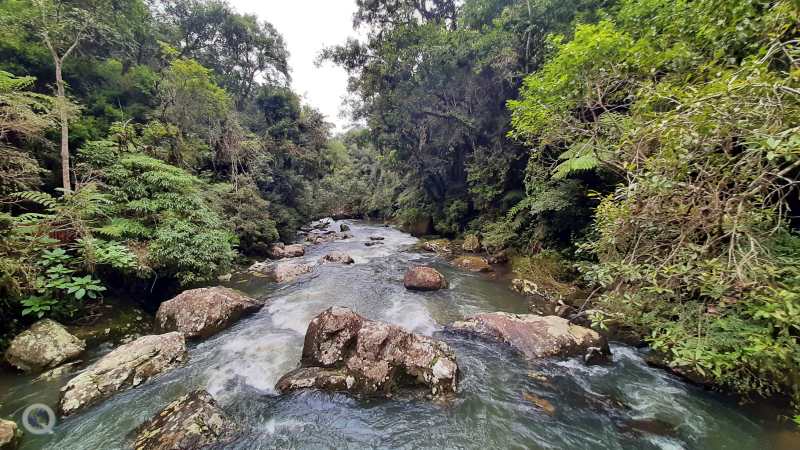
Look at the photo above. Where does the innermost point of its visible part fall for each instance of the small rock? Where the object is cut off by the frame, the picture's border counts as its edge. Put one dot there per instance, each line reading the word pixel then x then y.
pixel 441 246
pixel 376 238
pixel 225 278
pixel 370 244
pixel 126 367
pixel 200 313
pixel 534 336
pixel 45 345
pixel 473 263
pixel 344 351
pixel 193 421
pixel 344 227
pixel 337 258
pixel 421 278
pixel 471 243
pixel 10 434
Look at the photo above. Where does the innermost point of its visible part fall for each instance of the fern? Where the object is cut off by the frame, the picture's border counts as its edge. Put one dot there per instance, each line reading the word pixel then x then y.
pixel 580 157
pixel 40 198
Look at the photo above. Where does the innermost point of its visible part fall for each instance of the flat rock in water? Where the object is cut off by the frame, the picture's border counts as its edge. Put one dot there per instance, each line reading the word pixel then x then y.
pixel 10 435
pixel 422 278
pixel 534 336
pixel 200 313
pixel 283 271
pixel 376 238
pixel 193 421
pixel 337 258
pixel 45 345
pixel 126 367
pixel 346 352
pixel 473 263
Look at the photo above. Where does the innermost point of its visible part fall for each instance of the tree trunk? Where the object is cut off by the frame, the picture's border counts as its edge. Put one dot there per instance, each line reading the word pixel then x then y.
pixel 62 106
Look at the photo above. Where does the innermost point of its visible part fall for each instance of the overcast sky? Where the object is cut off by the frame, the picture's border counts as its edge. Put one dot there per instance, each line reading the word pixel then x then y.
pixel 308 26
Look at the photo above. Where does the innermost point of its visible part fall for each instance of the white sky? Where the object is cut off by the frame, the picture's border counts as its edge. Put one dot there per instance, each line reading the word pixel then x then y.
pixel 307 26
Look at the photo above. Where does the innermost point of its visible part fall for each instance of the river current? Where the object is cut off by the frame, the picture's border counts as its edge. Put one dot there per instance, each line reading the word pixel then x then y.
pixel 624 405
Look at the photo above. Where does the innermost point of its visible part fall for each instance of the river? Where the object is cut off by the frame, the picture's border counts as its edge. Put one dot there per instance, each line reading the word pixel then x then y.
pixel 625 405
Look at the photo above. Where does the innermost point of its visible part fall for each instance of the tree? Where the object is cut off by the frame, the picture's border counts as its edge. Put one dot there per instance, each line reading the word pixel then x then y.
pixel 63 26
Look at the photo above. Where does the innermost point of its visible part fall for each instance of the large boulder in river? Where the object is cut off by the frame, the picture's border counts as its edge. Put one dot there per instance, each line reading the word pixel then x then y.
pixel 422 278
pixel 127 366
pixel 193 421
pixel 10 435
pixel 280 251
pixel 535 336
pixel 337 258
pixel 200 313
pixel 43 346
pixel 344 351
pixel 473 263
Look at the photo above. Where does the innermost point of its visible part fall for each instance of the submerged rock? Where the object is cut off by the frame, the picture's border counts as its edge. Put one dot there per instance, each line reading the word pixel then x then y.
pixel 371 243
pixel 473 263
pixel 10 434
pixel 534 336
pixel 346 352
pixel 337 258
pixel 193 421
pixel 543 404
pixel 281 251
pixel 200 313
pixel 376 238
pixel 471 244
pixel 45 345
pixel 282 272
pixel 422 278
pixel 126 367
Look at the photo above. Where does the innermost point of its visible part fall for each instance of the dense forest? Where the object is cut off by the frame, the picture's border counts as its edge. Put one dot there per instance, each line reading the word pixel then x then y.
pixel 646 150
pixel 143 146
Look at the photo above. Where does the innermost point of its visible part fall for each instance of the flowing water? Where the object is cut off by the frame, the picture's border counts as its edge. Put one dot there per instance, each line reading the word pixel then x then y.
pixel 625 405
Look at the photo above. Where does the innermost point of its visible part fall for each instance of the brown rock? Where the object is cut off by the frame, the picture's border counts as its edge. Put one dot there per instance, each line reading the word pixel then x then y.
pixel 193 421
pixel 473 263
pixel 543 404
pixel 534 336
pixel 280 251
pixel 200 313
pixel 440 246
pixel 337 258
pixel 126 367
pixel 344 351
pixel 43 346
pixel 471 244
pixel 421 278
pixel 10 435
pixel 420 227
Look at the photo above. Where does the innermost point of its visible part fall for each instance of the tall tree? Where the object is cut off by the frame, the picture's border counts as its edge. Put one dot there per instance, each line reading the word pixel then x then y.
pixel 63 26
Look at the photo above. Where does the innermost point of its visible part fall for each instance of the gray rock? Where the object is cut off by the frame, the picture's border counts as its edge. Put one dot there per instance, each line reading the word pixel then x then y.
pixel 126 367
pixel 283 271
pixel 45 345
pixel 346 352
pixel 200 313
pixel 344 227
pixel 534 336
pixel 193 421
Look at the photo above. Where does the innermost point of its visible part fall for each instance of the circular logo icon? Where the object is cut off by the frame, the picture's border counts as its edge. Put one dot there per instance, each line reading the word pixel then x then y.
pixel 39 419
